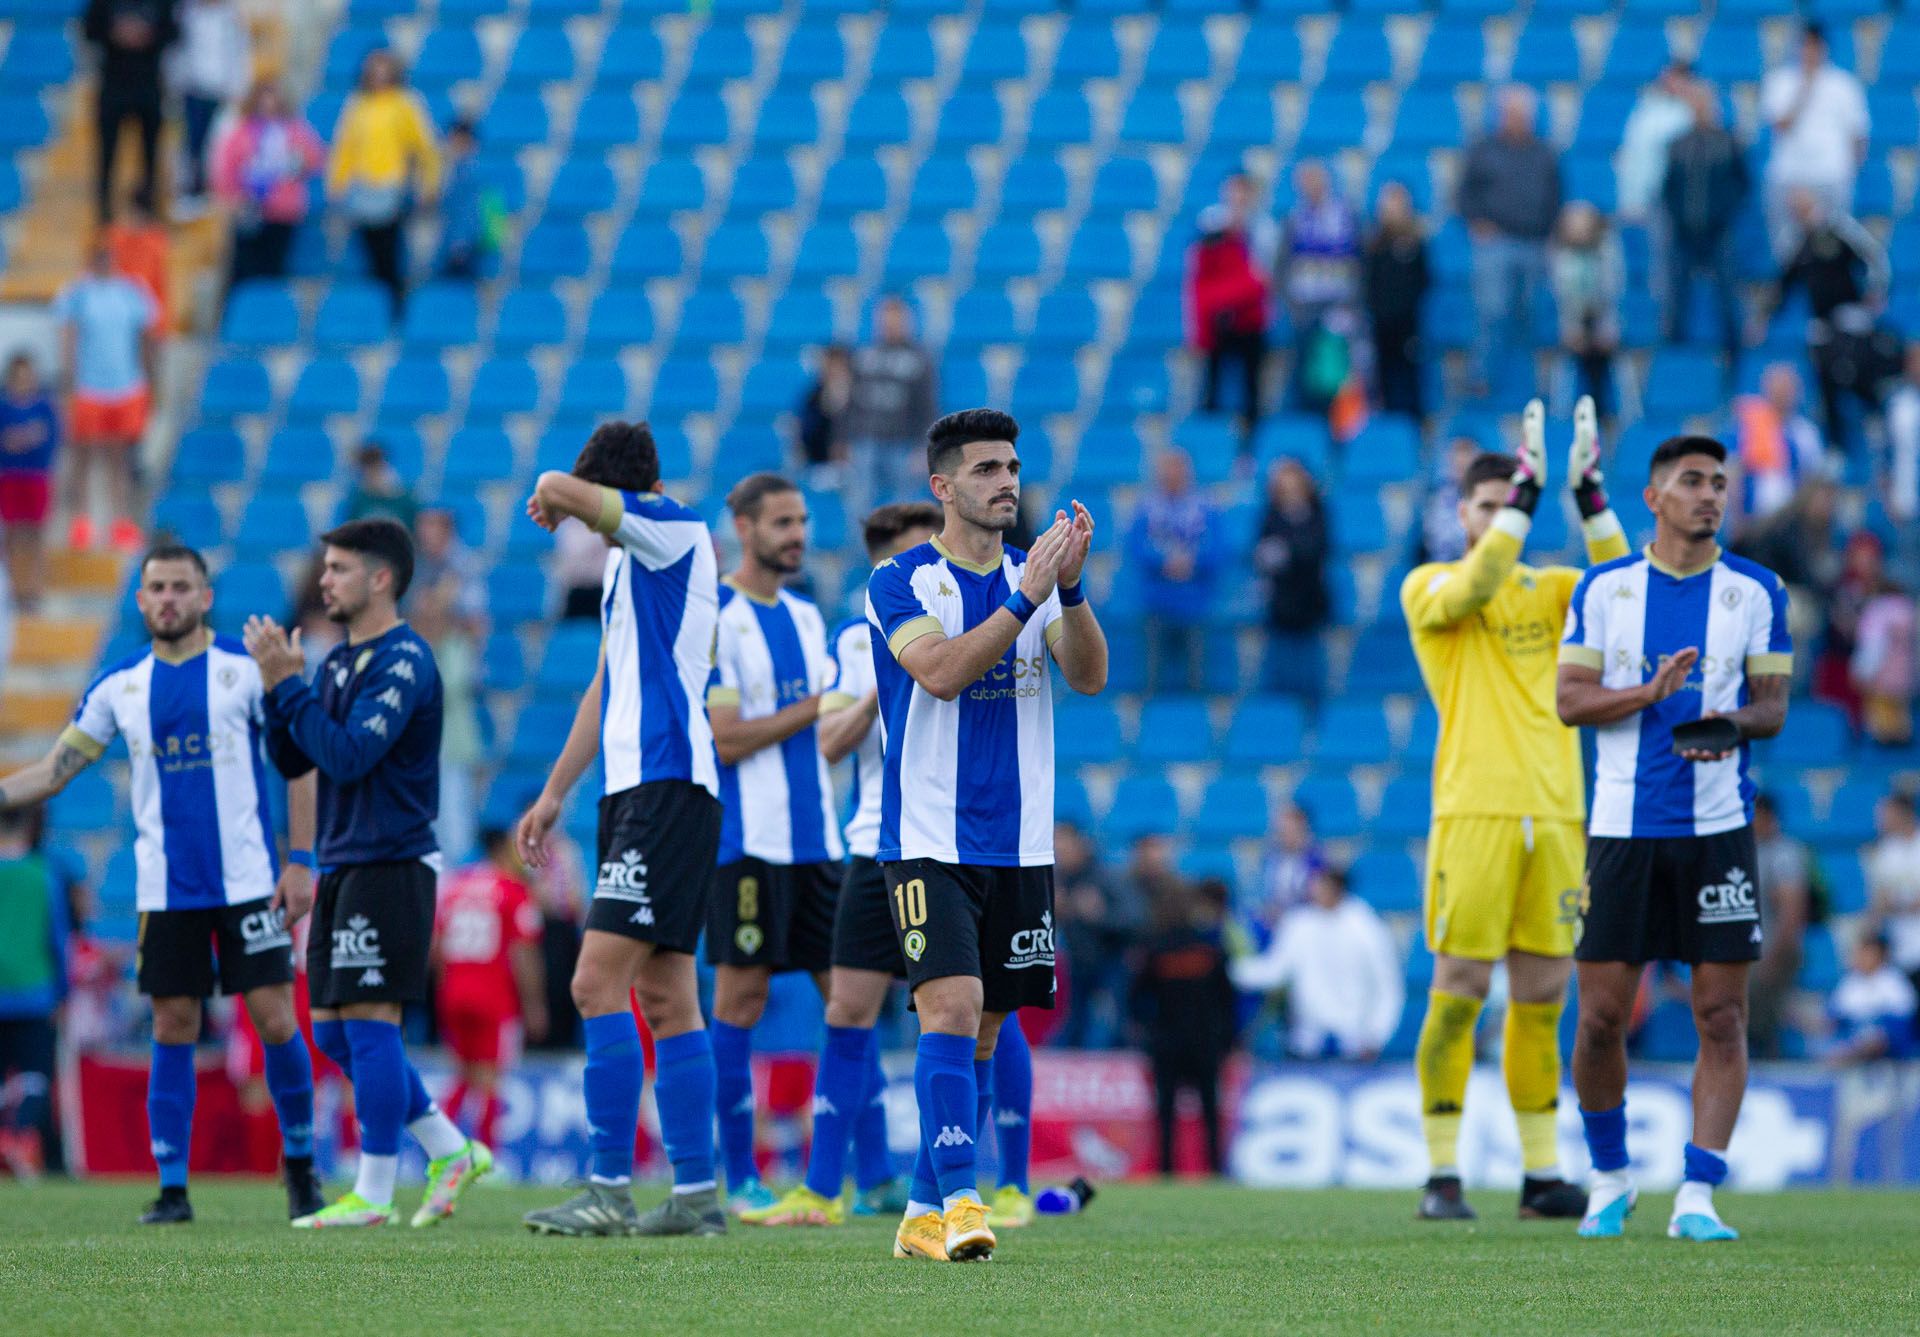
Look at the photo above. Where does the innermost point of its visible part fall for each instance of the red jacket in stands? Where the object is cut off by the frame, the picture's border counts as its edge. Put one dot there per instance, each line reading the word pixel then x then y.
pixel 1225 289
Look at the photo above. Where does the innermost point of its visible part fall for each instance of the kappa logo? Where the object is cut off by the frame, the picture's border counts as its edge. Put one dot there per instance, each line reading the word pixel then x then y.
pixel 1006 1118
pixel 1730 902
pixel 161 1150
pixel 1033 947
pixel 1622 592
pixel 946 592
pixel 389 698
pixel 643 915
pixel 821 1105
pixel 371 979
pixel 375 725
pixel 1757 936
pixel 410 648
pixel 952 1135
pixel 401 669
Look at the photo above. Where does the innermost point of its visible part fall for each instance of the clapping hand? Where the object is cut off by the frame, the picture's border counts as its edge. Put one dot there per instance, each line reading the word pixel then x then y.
pixel 1080 543
pixel 278 655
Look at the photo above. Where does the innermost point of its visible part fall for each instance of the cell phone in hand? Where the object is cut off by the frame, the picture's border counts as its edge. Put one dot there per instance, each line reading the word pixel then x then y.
pixel 1717 734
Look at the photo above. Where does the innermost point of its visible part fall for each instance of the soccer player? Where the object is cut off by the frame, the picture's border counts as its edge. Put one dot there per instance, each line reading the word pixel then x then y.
pixel 780 856
pixel 492 977
pixel 963 629
pixel 369 726
pixel 1655 644
pixel 849 1099
pixel 214 902
pixel 1503 857
pixel 659 833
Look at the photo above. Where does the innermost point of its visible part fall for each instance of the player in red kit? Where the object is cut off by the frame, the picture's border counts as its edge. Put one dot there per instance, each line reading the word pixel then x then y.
pixel 492 986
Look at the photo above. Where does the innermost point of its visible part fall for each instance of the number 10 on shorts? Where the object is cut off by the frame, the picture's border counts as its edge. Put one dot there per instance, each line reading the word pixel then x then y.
pixel 910 899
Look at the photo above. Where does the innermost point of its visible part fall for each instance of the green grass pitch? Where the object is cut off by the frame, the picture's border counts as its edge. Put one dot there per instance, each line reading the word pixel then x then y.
pixel 1194 1260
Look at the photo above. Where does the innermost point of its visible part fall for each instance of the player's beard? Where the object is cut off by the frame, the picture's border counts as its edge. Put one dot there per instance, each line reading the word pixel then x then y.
pixel 341 611
pixel 189 624
pixel 785 560
pixel 987 515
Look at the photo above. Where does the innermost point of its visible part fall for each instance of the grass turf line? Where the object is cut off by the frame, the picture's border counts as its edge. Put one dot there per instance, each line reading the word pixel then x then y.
pixel 1150 1259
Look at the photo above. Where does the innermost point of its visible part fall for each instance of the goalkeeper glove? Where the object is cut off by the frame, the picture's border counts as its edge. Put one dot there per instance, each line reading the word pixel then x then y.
pixel 1583 461
pixel 1532 470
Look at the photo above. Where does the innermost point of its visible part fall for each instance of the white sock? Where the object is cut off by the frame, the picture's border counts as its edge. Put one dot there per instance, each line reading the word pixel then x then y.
pixel 964 1195
pixel 704 1186
pixel 1694 1199
pixel 374 1182
pixel 605 1181
pixel 437 1134
pixel 1607 1186
pixel 917 1208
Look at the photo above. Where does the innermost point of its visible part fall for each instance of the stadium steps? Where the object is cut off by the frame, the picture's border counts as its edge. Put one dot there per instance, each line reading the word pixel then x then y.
pixel 54 651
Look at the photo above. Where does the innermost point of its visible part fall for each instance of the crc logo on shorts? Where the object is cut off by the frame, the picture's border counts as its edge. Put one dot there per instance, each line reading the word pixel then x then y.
pixel 624 879
pixel 748 938
pixel 914 944
pixel 357 947
pixel 1730 902
pixel 266 931
pixel 1033 946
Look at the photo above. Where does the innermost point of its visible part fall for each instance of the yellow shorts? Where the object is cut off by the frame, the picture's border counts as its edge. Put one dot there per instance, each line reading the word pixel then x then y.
pixel 1500 884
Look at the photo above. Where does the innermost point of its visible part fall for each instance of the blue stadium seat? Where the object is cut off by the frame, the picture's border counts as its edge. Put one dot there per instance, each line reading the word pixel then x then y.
pixel 684 385
pixel 1819 960
pixel 711 316
pixel 561 442
pixel 516 119
pixel 619 317
pixel 1383 664
pixel 1242 118
pixel 646 251
pixel 1387 450
pixel 1066 318
pixel 1330 804
pixel 248 588
pixel 774 385
pixel 261 314
pixel 632 55
pixel 1846 883
pixel 1234 807
pixel 441 315
pixel 568 659
pixel 448 55
pixel 1849 820
pixel 529 318
pixel 813 54
pixel 607 119
pixel 735 250
pixel 799 319
pixel 534 732
pixel 698 116
pixel 191 517
pixel 1087 51
pixel 1296 436
pixel 348 50
pixel 1388 881
pixel 1173 730
pixel 1138 385
pixel 1455 52
pixel 208 455
pixel 1265 731
pixel 904 50
pixel 581 187
pixel 971 117
pixel 1336 118
pixel 236 385
pixel 504 385
pixel 983 316
pixel 415 386
pixel 1045 385
pixel 500 174
pixel 594 388
pixel 1358 522
pixel 918 250
pixel 744 450
pixel 1359 53
pixel 1352 733
pixel 1143 805
pixel 1406 807
pixel 724 51
pixel 1177 54
pixel 827 250
pixel 853 185
pixel 553 250
pixel 297 455
pixel 1154 117
pixel 1059 116
pixel 541 56
pixel 86 804
pixel 1086 732
pixel 1428 118
pixel 503 665
pixel 327 385
pixel 1033 183
pixel 1682 381
pixel 353 314
pixel 943 184
pixel 477 455
pixel 36 58
pixel 788 118
pixel 1100 249
pixel 273 523
pixel 1816 734
pixel 1125 185
pixel 998 52
pixel 1270 55
pixel 1547 53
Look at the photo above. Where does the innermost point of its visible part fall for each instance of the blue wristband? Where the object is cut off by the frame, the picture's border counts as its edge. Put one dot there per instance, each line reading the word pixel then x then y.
pixel 1072 596
pixel 302 859
pixel 1020 606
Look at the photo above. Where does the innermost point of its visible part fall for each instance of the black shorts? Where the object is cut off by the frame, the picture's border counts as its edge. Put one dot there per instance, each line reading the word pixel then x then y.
pixel 372 931
pixel 995 924
pixel 864 937
pixel 1670 898
pixel 774 915
pixel 657 845
pixel 181 951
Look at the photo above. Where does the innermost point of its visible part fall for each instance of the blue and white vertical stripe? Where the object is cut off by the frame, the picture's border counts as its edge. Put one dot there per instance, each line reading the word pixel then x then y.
pixel 853 658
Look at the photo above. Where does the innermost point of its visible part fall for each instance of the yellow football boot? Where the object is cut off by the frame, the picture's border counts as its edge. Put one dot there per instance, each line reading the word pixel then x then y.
pixel 968 1238
pixel 923 1236
pixel 1011 1209
pixel 800 1206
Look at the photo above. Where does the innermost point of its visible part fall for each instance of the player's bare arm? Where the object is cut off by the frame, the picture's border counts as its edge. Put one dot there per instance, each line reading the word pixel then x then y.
pixel 45 777
pixel 557 496
pixel 1081 647
pixel 736 739
pixel 293 893
pixel 583 741
pixel 530 982
pixel 1764 715
pixel 946 667
pixel 1582 700
pixel 844 722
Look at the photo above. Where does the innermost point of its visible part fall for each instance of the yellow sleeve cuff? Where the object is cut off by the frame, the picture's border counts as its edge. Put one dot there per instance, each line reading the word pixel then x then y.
pixel 1770 665
pixel 1581 656
pixel 84 743
pixel 912 630
pixel 611 509
pixel 833 701
pixel 722 696
pixel 1055 630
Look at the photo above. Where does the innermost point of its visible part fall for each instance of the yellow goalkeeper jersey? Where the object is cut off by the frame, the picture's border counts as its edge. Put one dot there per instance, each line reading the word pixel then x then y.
pixel 1486 630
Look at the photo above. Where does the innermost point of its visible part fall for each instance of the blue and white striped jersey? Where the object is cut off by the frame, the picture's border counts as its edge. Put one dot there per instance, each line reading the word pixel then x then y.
pixel 1630 614
pixel 968 781
pixel 657 608
pixel 194 728
pixel 779 801
pixel 853 657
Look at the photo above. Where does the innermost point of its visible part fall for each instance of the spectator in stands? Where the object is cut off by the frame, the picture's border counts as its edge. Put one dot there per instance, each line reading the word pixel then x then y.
pixel 1228 294
pixel 33 983
pixel 1818 113
pixel 822 415
pixel 1882 668
pixel 1784 868
pixel 378 489
pixel 110 336
pixel 29 439
pixel 1341 969
pixel 1174 558
pixel 580 562
pixel 1778 445
pixel 1589 284
pixel 1872 1008
pixel 1797 543
pixel 1705 186
pixel 1318 275
pixel 469 213
pixel 1660 116
pixel 1893 878
pixel 261 168
pixel 210 67
pixel 1510 196
pixel 441 562
pixel 561 886
pixel 131 38
pixel 384 156
pixel 1902 493
pixel 1184 1002
pixel 1442 537
pixel 1396 280
pixel 895 397
pixel 1097 919
pixel 1844 269
pixel 1843 601
pixel 143 251
pixel 432 611
pixel 1291 557
pixel 1292 860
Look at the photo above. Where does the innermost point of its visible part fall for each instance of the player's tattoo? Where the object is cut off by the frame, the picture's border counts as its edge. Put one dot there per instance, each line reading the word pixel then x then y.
pixel 67 762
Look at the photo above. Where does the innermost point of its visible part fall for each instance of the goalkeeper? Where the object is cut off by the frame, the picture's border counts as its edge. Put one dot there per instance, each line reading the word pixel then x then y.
pixel 1506 850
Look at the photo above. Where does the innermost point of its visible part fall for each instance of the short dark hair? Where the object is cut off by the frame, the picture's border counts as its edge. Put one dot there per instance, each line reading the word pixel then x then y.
pixel 889 522
pixel 1487 467
pixel 493 837
pixel 1815 29
pixel 746 495
pixel 174 552
pixel 385 541
pixel 1764 802
pixel 620 455
pixel 1903 799
pixel 1676 448
pixel 950 434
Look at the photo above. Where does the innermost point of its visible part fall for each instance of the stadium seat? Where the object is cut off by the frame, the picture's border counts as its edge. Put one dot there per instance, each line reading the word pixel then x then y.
pixel 723 51
pixel 261 314
pixel 298 455
pixel 441 315
pixel 1330 805
pixel 594 387
pixel 235 386
pixel 774 386
pixel 1086 732
pixel 632 55
pixel 1351 733
pixel 799 319
pixel 1143 805
pixel 1172 730
pixel 326 386
pixel 1358 523
pixel 1388 881
pixel 1087 51
pixel 997 53
pixel 516 594
pixel 449 54
pixel 971 117
pixel 944 183
pixel 878 117
pixel 684 385
pixel 529 318
pixel 828 250
pixel 1242 118
pixel 273 523
pixel 1455 52
pixel 208 455
pixel 504 385
pixel 541 56
pixel 853 185
pixel 1816 734
pixel 191 518
pixel 646 251
pixel 477 455
pixel 1405 808
pixel 1178 53
pixel 1428 118
pixel 353 314
pixel 711 316
pixel 1234 807
pixel 1265 731
pixel 415 386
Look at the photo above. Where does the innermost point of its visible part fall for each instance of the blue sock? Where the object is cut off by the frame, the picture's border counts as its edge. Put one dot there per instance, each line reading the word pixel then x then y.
pixel 170 1092
pixel 1705 1167
pixel 290 1083
pixel 837 1093
pixel 982 1101
pixel 330 1038
pixel 683 1091
pixel 733 1097
pixel 379 1084
pixel 418 1101
pixel 1607 1137
pixel 872 1157
pixel 612 1086
pixel 1013 1102
pixel 943 1080
pixel 925 1187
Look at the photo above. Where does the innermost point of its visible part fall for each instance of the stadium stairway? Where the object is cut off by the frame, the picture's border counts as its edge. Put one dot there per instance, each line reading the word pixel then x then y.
pixel 54 652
